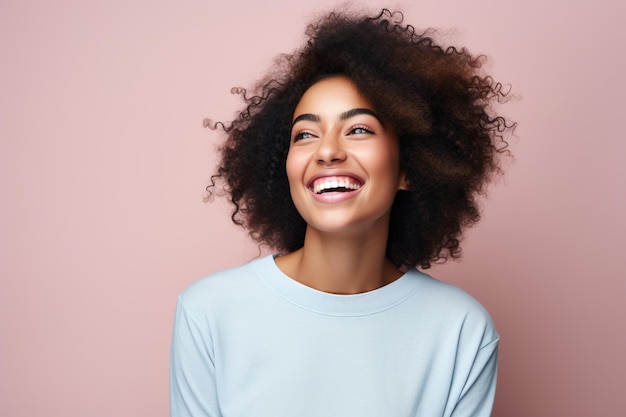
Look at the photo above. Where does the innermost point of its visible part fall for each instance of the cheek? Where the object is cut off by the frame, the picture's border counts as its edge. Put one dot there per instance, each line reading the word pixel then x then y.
pixel 390 173
pixel 384 161
pixel 294 167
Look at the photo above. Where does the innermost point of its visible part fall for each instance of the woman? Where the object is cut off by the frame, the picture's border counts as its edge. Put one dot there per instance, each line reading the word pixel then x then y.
pixel 359 159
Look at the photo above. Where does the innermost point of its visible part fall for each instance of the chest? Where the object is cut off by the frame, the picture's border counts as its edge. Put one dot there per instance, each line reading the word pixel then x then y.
pixel 293 362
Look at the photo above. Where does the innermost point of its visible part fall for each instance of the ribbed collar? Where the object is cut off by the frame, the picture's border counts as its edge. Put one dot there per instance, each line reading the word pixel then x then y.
pixel 370 302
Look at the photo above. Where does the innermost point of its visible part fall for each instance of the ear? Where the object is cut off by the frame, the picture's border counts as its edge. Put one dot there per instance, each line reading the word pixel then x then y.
pixel 403 184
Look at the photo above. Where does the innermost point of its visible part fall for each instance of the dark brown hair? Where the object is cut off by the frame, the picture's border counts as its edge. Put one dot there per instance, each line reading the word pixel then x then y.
pixel 438 100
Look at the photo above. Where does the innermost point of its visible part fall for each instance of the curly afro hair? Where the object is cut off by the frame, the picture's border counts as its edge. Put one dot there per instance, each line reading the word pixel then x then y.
pixel 439 101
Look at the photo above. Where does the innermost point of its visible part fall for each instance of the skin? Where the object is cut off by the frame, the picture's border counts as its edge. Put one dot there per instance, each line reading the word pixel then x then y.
pixel 336 135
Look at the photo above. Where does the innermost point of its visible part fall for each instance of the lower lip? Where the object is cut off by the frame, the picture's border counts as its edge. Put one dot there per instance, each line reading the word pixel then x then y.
pixel 334 197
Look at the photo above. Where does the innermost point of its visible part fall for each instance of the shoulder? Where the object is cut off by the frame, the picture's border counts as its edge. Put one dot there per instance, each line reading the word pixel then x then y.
pixel 225 286
pixel 444 293
pixel 453 307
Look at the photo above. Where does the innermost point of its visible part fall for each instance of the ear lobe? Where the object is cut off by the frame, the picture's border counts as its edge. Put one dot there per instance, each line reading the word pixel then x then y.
pixel 403 184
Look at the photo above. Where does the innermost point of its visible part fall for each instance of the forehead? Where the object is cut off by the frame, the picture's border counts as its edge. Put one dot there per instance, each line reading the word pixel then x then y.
pixel 332 96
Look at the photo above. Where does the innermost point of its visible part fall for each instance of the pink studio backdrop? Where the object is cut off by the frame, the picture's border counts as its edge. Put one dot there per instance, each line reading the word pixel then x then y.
pixel 103 163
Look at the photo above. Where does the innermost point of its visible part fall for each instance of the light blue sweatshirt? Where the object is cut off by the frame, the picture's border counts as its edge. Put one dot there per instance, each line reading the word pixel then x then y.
pixel 252 342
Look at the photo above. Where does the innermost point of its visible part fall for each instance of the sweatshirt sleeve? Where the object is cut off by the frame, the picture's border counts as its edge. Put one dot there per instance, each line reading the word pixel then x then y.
pixel 193 390
pixel 478 394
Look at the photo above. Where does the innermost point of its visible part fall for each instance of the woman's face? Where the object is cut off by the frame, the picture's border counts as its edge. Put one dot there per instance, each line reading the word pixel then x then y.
pixel 343 163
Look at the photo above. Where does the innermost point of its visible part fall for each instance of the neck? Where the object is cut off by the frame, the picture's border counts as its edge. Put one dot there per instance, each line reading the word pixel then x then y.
pixel 341 264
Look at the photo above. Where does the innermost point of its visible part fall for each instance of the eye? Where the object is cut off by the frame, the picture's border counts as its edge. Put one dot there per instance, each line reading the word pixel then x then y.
pixel 302 135
pixel 360 130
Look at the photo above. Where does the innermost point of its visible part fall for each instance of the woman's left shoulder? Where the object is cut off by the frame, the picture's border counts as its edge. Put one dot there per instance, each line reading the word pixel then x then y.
pixel 450 302
pixel 434 288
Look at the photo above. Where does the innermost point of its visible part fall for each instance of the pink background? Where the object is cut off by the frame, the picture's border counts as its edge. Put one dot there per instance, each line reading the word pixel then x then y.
pixel 103 162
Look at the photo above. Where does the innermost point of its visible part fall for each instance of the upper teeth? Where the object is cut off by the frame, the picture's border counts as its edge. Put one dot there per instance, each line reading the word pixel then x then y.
pixel 335 183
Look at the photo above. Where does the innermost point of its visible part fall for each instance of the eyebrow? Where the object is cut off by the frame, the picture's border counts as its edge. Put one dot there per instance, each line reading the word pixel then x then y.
pixel 343 116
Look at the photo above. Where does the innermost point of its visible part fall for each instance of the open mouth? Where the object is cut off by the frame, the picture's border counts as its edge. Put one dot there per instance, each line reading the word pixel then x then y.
pixel 335 184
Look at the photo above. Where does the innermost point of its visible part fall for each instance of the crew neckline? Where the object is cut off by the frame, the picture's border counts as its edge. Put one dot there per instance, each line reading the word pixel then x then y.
pixel 321 302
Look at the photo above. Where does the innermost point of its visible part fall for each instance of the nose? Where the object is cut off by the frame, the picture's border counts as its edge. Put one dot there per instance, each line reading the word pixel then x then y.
pixel 330 149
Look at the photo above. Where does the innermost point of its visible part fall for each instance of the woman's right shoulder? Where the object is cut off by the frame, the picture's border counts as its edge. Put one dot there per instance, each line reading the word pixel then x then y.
pixel 221 285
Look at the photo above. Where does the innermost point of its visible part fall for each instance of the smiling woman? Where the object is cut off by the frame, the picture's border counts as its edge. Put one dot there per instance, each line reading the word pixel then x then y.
pixel 359 160
pixel 337 138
